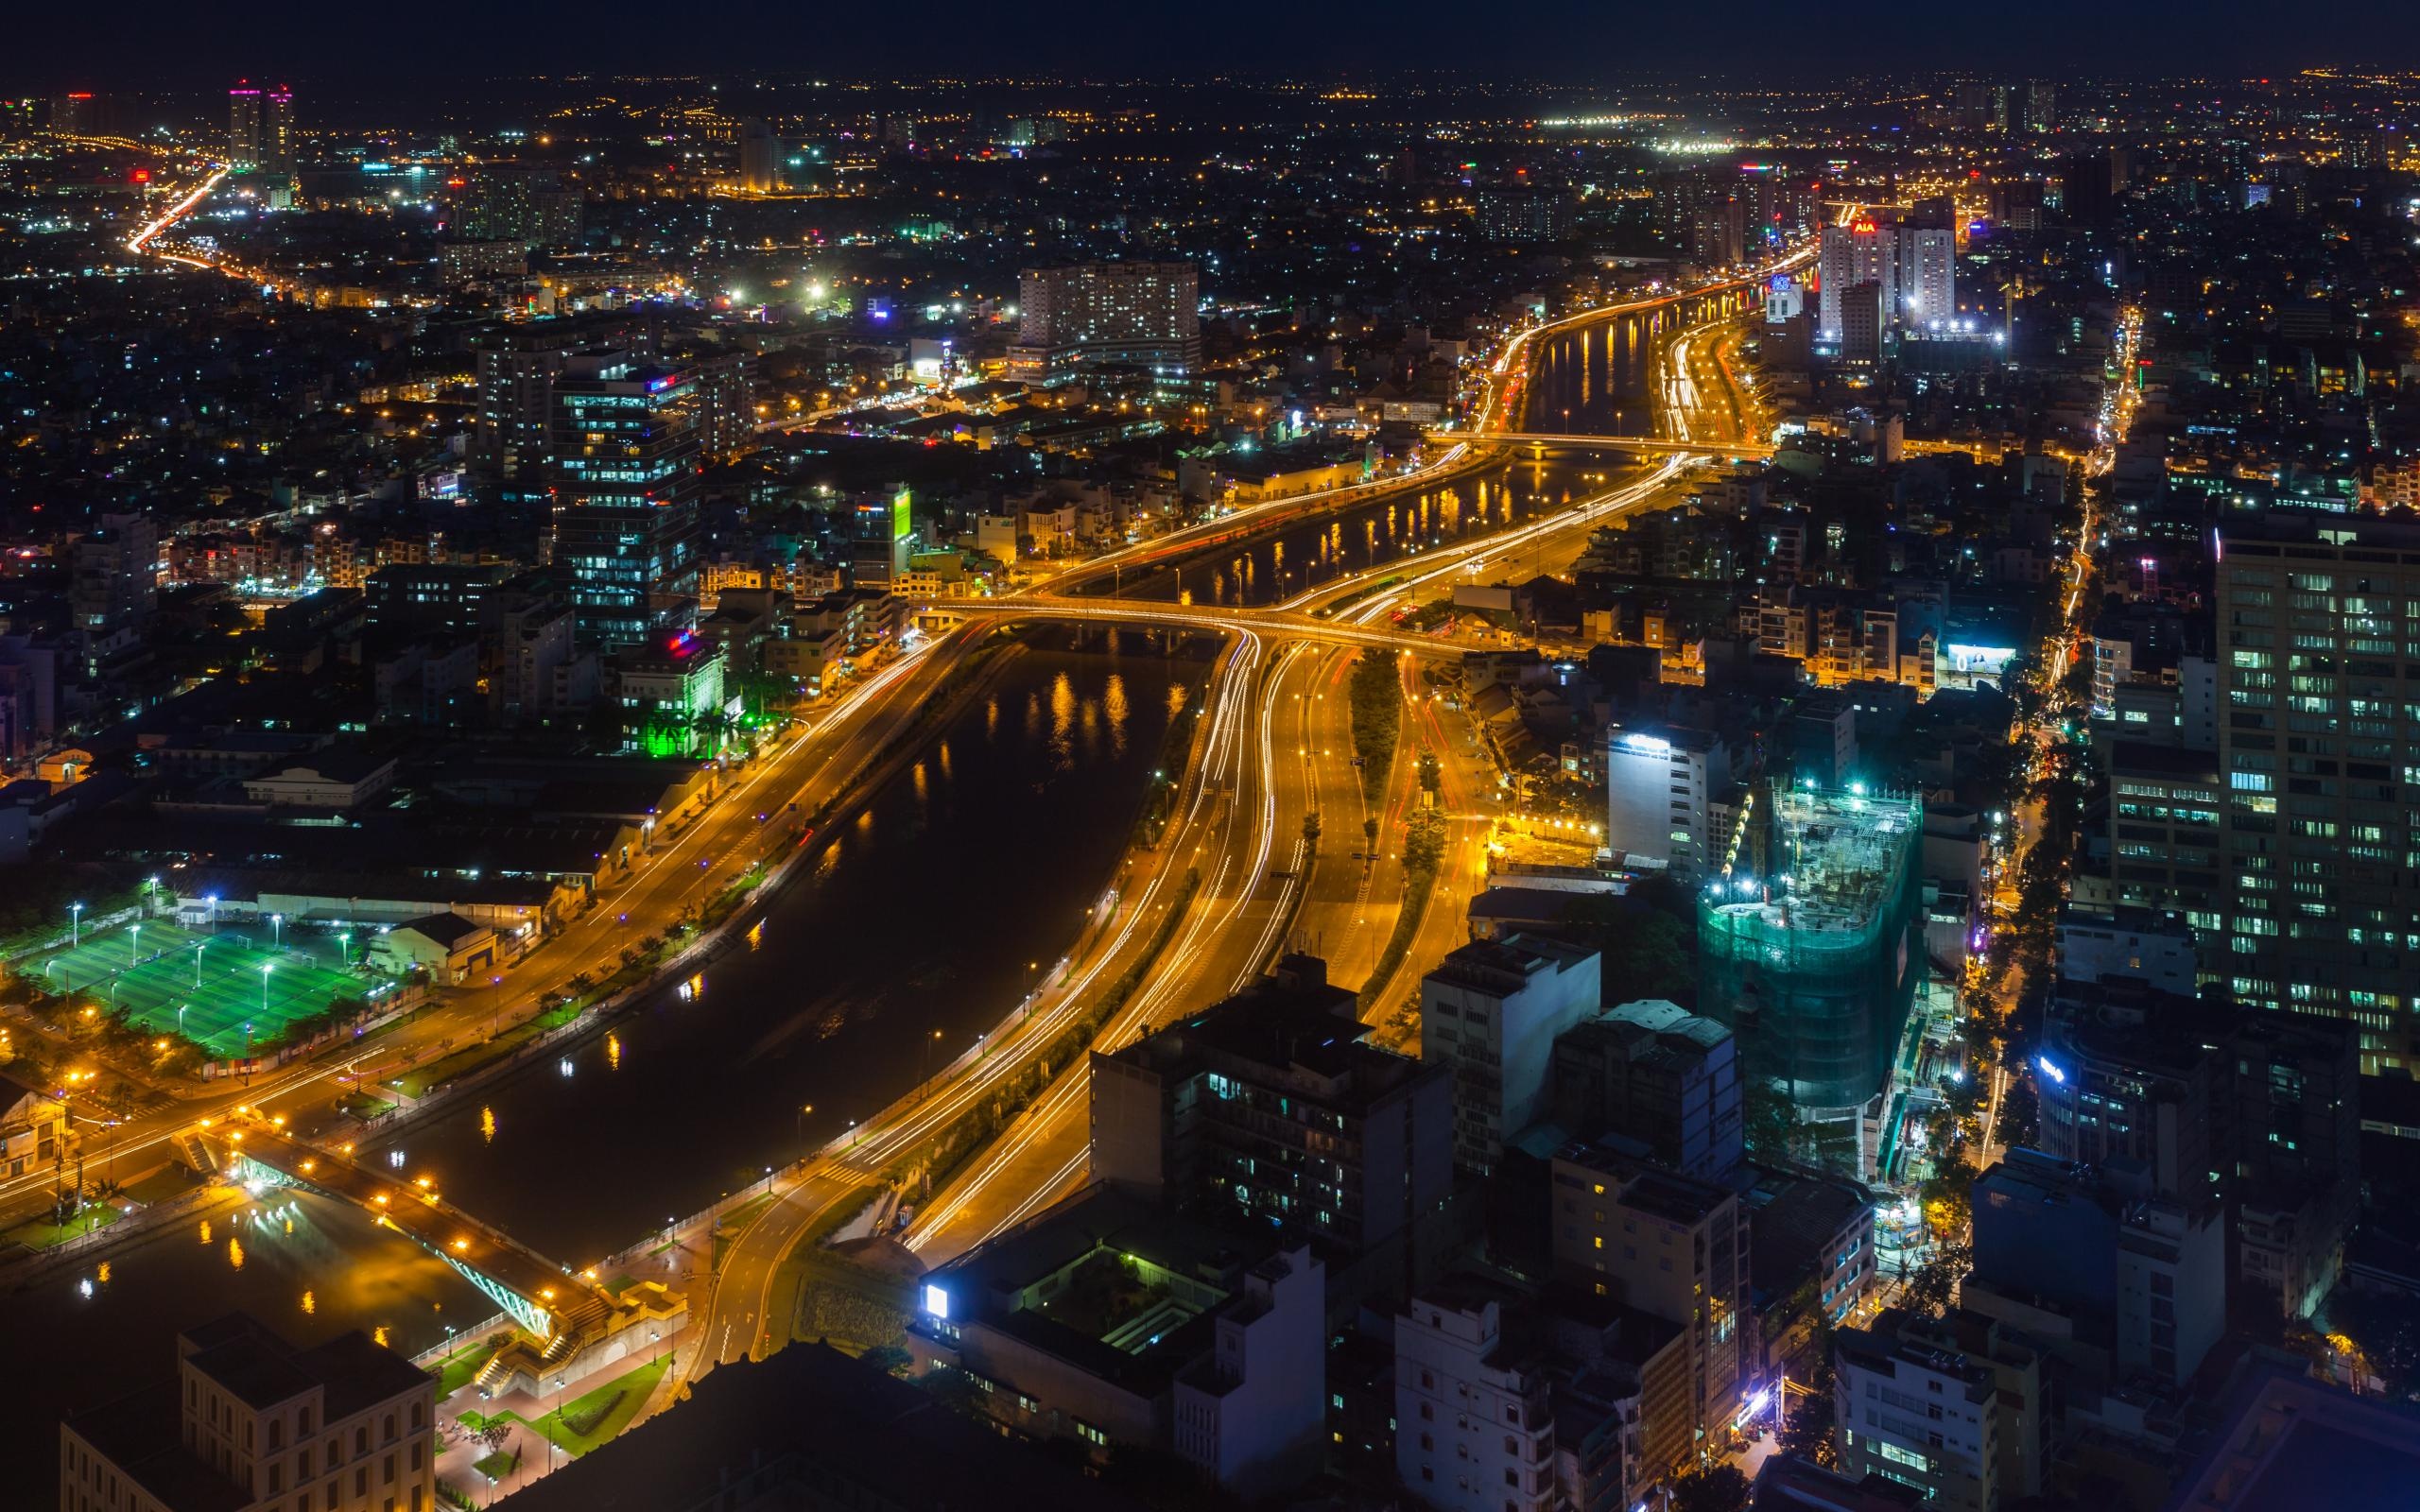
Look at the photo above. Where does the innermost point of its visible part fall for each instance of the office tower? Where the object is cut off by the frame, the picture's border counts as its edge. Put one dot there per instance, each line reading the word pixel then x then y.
pixel 81 113
pixel 2312 615
pixel 759 158
pixel 1784 298
pixel 1951 1405
pixel 1814 967
pixel 1663 785
pixel 1652 1071
pixel 1849 257
pixel 277 130
pixel 1139 315
pixel 1719 232
pixel 2041 106
pixel 1491 1013
pixel 624 483
pixel 114 573
pixel 244 126
pixel 1821 739
pixel 248 1415
pixel 1270 1105
pixel 881 535
pixel 1673 1247
pixel 513 431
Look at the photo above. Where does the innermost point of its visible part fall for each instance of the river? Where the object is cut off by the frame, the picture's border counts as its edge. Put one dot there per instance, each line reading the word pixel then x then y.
pixel 924 913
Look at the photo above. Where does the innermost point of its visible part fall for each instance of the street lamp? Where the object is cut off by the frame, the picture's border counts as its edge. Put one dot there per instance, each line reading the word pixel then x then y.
pixel 266 967
pixel 75 925
pixel 276 931
pixel 344 946
pixel 198 949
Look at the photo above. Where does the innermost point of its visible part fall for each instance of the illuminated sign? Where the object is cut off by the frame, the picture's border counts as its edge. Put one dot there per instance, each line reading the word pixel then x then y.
pixel 1649 744
pixel 937 1302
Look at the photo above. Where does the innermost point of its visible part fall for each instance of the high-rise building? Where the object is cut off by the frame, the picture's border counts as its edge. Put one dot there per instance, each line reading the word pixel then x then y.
pixel 625 482
pixel 81 113
pixel 2319 738
pixel 1847 257
pixel 1815 966
pixel 2135 1283
pixel 249 1422
pixel 510 201
pixel 1672 1247
pixel 277 130
pixel 114 573
pixel 1719 232
pixel 1474 1409
pixel 1979 106
pixel 1491 1013
pixel 1271 1105
pixel 2293 1133
pixel 760 158
pixel 514 429
pixel 2041 106
pixel 1952 1406
pixel 244 126
pixel 1138 315
pixel 1927 279
pixel 1663 790
pixel 882 533
pixel 1652 1071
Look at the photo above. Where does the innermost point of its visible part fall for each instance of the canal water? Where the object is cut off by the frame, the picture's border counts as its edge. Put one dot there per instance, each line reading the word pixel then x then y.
pixel 925 913
pixel 1280 563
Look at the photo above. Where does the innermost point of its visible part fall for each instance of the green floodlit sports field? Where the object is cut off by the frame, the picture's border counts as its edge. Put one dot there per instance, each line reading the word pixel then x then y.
pixel 216 978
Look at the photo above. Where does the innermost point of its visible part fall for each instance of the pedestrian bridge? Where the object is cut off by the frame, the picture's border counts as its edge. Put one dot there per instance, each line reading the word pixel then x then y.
pixel 548 1300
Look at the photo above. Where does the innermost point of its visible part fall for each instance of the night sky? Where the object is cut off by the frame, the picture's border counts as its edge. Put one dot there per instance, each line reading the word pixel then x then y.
pixel 398 48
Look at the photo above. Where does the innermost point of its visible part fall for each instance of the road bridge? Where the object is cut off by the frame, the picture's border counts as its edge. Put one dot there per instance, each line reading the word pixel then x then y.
pixel 1649 445
pixel 1277 624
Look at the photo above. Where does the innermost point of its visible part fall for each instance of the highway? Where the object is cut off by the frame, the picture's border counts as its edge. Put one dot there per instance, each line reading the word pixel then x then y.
pixel 1330 899
pixel 683 872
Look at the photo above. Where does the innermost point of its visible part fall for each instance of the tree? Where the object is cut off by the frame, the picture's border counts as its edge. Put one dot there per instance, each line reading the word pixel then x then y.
pixel 1936 1280
pixel 1432 774
pixel 888 1358
pixel 1423 841
pixel 1720 1488
pixel 1806 1427
pixel 1311 829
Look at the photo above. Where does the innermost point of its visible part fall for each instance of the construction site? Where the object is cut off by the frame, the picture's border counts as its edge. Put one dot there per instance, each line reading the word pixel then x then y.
pixel 1815 964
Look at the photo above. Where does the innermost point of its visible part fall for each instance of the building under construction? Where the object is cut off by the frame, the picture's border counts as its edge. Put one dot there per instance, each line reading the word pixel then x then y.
pixel 1814 966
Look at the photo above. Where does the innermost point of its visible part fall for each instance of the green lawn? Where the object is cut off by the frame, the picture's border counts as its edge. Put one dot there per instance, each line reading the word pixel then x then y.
pixel 604 1411
pixel 222 980
pixel 42 1234
pixel 497 1466
pixel 455 1373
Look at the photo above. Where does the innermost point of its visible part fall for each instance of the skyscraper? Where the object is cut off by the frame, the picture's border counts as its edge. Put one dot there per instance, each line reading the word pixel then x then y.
pixel 244 126
pixel 626 497
pixel 2041 106
pixel 277 132
pixel 1860 253
pixel 759 158
pixel 2316 752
